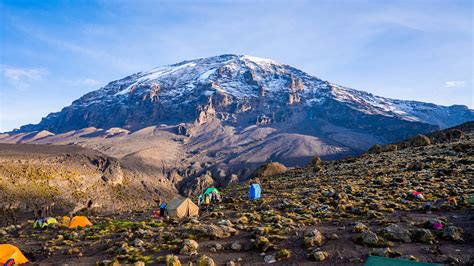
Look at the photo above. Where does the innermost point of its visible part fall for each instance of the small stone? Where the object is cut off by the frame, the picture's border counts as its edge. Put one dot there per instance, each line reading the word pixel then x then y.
pixel 283 254
pixel 334 237
pixel 319 255
pixel 230 263
pixel 236 246
pixel 269 259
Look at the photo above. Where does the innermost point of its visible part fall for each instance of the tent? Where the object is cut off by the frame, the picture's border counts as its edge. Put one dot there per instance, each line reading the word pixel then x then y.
pixel 255 191
pixel 209 190
pixel 376 260
pixel 182 208
pixel 42 223
pixel 79 221
pixel 9 252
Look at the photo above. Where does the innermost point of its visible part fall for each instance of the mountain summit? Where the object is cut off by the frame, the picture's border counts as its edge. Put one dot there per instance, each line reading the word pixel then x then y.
pixel 203 121
pixel 241 89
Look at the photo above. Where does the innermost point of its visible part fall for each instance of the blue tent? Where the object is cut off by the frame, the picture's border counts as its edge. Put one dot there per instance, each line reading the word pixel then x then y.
pixel 255 191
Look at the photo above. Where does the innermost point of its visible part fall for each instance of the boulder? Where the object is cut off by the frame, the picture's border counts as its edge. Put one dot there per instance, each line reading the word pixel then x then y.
pixel 385 252
pixel 453 233
pixel 172 260
pixel 420 140
pixel 315 162
pixel 371 239
pixel 423 235
pixel 313 238
pixel 189 247
pixel 283 254
pixel 269 169
pixel 318 255
pixel 396 232
pixel 208 231
pixel 360 227
pixel 205 261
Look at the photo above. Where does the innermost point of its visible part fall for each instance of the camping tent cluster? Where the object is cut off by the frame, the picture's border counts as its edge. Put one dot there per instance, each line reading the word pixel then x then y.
pixel 76 221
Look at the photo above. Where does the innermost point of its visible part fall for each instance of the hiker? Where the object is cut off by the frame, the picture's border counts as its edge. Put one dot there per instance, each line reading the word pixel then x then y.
pixel 199 200
pixel 162 209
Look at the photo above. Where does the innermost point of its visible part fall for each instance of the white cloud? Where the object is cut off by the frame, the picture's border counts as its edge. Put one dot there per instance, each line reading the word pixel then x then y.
pixel 21 78
pixel 454 84
pixel 91 82
pixel 18 74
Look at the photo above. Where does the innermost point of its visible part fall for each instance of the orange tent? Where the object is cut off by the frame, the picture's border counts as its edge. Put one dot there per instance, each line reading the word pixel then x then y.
pixel 79 221
pixel 8 252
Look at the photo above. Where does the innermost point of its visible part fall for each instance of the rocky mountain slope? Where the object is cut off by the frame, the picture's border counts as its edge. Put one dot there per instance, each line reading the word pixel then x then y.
pixel 66 179
pixel 335 212
pixel 202 121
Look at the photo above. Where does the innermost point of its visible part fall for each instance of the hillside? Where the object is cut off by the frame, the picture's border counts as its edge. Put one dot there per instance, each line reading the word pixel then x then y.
pixel 336 212
pixel 67 179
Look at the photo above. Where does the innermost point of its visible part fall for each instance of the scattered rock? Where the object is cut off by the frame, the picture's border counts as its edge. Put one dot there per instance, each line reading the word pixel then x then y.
pixel 360 227
pixel 236 246
pixel 189 247
pixel 172 260
pixel 385 252
pixel 420 140
pixel 283 254
pixel 269 259
pixel 205 261
pixel 423 235
pixel 269 169
pixel 313 238
pixel 396 232
pixel 318 255
pixel 453 233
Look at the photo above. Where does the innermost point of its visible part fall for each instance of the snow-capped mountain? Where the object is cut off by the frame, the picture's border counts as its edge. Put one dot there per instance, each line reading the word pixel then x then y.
pixel 227 87
pixel 229 114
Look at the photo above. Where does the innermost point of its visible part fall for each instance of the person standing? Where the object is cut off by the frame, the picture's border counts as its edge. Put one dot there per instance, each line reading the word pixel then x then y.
pixel 162 209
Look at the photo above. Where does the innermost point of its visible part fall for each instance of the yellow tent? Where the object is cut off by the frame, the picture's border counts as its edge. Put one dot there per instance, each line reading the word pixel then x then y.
pixel 81 221
pixel 8 252
pixel 182 208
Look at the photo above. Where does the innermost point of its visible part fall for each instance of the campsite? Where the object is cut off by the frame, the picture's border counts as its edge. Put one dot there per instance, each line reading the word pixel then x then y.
pixel 327 213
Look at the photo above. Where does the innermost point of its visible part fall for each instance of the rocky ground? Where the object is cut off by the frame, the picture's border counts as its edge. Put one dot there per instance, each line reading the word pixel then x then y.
pixel 334 212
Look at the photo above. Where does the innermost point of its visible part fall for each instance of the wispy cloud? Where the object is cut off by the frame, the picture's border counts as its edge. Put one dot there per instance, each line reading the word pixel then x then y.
pixel 455 84
pixel 21 78
pixel 90 82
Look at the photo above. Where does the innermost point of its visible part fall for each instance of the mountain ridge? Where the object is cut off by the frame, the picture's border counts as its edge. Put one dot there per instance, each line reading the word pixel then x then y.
pixel 237 77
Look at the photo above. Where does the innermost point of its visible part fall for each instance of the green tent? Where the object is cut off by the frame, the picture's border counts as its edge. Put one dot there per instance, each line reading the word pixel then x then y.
pixel 376 261
pixel 209 190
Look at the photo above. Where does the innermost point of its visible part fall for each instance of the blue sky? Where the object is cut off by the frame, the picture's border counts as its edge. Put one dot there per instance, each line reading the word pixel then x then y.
pixel 52 52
